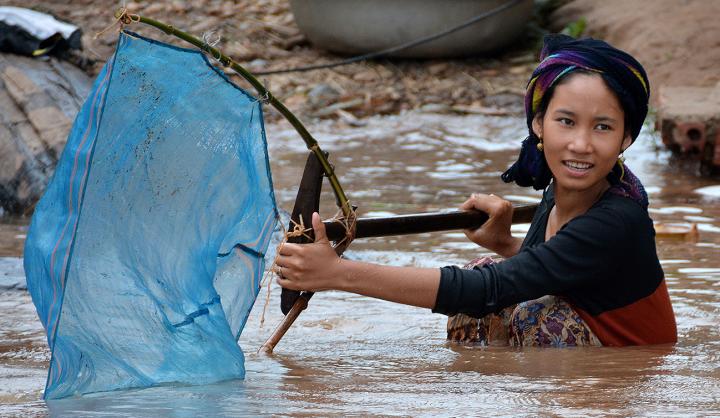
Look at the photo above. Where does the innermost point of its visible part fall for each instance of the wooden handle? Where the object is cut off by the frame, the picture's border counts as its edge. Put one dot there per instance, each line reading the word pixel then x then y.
pixel 422 223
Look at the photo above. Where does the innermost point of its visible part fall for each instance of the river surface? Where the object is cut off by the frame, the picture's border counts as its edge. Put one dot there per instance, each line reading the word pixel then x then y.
pixel 351 355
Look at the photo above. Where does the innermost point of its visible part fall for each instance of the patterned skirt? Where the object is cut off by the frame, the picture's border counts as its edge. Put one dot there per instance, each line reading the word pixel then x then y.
pixel 549 321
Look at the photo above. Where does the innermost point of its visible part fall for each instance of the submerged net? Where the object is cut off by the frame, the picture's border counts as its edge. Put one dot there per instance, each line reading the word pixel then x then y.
pixel 145 255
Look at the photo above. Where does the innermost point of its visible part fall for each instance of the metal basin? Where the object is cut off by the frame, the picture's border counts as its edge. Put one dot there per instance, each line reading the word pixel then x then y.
pixel 362 26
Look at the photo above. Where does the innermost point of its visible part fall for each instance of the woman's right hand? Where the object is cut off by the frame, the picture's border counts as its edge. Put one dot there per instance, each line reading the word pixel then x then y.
pixel 314 266
pixel 495 233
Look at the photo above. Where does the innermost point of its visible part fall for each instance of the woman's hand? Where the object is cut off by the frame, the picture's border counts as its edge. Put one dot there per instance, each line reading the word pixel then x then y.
pixel 495 233
pixel 313 266
pixel 316 267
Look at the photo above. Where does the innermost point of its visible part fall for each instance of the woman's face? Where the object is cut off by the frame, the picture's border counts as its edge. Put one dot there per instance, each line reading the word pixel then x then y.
pixel 583 132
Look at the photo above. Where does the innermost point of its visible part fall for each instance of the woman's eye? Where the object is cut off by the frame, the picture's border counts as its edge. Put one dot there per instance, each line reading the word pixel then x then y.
pixel 603 127
pixel 566 121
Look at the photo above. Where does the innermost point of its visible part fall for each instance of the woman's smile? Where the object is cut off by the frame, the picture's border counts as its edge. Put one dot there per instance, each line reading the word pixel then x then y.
pixel 578 168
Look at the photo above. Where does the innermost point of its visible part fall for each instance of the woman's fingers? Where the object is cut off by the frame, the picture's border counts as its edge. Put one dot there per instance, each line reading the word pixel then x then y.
pixel 478 201
pixel 467 205
pixel 280 262
pixel 288 284
pixel 319 229
pixel 292 273
pixel 289 249
pixel 489 204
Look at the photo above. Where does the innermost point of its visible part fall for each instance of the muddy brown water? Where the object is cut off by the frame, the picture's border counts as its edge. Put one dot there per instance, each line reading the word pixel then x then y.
pixel 351 355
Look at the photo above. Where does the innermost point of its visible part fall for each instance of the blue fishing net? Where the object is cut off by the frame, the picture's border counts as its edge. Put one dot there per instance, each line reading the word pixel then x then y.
pixel 145 255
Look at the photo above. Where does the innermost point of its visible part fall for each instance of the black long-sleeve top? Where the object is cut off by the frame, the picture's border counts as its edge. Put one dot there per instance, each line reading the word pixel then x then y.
pixel 603 262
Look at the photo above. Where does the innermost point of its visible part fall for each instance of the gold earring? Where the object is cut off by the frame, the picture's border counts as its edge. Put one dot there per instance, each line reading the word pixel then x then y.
pixel 540 146
pixel 621 158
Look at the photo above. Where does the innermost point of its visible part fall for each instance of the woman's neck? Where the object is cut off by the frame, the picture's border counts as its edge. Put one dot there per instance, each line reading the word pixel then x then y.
pixel 571 203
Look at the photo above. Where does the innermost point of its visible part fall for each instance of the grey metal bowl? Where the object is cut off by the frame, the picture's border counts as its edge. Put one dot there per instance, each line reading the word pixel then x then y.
pixel 362 26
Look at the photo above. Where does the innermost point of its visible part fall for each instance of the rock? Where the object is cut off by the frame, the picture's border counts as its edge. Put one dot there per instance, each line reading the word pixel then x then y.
pixel 349 104
pixel 438 68
pixel 367 75
pixel 435 108
pixel 293 41
pixel 39 98
pixel 257 64
pixel 322 95
pixel 476 109
pixel 12 276
pixel 510 102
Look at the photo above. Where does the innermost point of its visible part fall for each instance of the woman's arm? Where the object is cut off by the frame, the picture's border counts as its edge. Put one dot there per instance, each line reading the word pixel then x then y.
pixel 316 267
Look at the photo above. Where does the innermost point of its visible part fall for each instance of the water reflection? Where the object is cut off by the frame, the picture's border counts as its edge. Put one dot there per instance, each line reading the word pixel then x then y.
pixel 350 355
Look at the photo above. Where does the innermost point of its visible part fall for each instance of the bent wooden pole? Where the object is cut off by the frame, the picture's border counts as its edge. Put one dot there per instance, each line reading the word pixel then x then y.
pixel 396 225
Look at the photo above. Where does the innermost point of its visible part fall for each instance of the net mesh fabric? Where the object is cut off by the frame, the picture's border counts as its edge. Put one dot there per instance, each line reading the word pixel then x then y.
pixel 145 255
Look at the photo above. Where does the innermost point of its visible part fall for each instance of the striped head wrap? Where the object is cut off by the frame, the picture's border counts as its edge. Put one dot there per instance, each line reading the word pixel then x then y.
pixel 563 55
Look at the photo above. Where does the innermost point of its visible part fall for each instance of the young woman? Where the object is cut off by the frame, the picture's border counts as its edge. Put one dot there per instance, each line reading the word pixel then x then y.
pixel 590 252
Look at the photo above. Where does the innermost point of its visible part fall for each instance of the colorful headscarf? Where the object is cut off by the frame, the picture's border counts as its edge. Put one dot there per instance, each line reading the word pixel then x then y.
pixel 561 55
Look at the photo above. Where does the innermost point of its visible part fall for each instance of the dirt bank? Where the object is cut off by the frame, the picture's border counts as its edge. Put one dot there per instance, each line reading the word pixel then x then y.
pixel 262 35
pixel 678 41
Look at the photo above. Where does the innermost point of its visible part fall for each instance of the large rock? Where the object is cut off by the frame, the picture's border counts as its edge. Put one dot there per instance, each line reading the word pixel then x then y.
pixel 39 99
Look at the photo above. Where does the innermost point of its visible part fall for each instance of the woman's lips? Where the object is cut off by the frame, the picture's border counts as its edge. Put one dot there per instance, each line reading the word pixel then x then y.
pixel 577 168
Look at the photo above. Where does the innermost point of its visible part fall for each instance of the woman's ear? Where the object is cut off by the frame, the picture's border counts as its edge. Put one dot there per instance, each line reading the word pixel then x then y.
pixel 537 125
pixel 627 141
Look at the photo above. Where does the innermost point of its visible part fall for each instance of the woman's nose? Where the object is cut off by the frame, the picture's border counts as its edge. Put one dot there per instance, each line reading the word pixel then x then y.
pixel 581 141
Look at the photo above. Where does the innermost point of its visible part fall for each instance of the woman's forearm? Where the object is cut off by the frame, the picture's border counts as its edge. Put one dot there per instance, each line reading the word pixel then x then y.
pixel 510 248
pixel 406 285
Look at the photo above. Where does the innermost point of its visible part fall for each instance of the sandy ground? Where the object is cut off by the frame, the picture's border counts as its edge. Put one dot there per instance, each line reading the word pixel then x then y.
pixel 678 41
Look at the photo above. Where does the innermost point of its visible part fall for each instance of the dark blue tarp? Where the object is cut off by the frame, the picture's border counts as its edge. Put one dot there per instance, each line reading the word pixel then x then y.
pixel 145 255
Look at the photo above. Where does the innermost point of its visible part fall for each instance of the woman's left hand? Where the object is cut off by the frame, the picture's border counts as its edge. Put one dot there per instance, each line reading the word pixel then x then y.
pixel 494 234
pixel 313 266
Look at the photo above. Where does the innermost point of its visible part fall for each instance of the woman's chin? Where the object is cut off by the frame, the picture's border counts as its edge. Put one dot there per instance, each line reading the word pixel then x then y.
pixel 577 182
